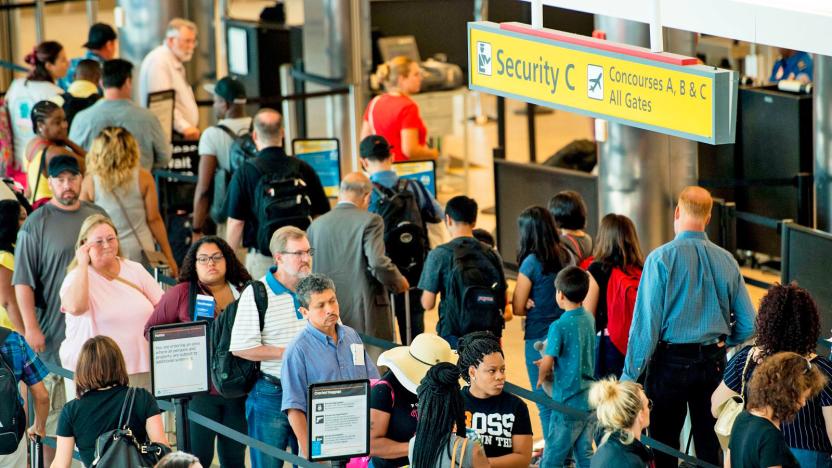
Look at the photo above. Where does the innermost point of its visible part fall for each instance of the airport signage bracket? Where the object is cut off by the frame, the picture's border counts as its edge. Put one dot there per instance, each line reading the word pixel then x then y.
pixel 661 92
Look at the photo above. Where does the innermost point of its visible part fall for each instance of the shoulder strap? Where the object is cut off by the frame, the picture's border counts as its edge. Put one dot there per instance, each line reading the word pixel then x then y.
pixel 462 452
pixel 261 300
pixel 370 114
pixel 744 368
pixel 129 283
pixel 578 250
pixel 453 451
pixel 41 169
pixel 126 408
pixel 402 184
pixel 4 335
pixel 227 131
pixel 129 223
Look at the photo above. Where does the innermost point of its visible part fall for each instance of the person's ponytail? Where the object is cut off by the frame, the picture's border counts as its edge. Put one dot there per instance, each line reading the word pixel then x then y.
pixel 43 53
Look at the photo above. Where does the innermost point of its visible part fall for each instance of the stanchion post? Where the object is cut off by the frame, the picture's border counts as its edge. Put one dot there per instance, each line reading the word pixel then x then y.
pixel 183 437
pixel 805 199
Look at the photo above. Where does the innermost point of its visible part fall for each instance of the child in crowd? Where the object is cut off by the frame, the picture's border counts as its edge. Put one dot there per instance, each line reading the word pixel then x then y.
pixel 570 352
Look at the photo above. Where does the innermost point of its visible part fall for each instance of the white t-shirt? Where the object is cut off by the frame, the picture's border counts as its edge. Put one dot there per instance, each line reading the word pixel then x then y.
pixel 280 325
pixel 21 97
pixel 217 142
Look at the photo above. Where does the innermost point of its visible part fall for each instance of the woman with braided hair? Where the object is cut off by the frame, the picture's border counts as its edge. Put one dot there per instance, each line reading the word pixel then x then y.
pixel 440 440
pixel 500 419
pixel 787 320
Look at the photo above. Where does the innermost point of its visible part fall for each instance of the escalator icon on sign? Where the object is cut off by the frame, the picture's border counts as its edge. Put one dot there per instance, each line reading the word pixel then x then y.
pixel 484 58
pixel 595 82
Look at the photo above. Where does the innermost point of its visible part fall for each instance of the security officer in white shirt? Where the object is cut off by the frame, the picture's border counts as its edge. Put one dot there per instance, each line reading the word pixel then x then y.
pixel 163 69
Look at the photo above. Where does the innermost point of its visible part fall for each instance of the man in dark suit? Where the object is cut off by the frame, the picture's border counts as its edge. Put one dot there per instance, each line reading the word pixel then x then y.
pixel 349 248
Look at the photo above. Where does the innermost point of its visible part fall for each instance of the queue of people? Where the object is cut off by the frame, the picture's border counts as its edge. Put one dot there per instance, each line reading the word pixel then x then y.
pixel 598 316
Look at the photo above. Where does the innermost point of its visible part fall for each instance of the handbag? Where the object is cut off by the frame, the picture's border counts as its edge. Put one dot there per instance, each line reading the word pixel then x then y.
pixel 151 259
pixel 120 448
pixel 729 410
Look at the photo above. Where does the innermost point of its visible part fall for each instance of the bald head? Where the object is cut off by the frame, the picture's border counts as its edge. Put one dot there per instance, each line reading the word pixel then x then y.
pixel 356 188
pixel 693 210
pixel 268 128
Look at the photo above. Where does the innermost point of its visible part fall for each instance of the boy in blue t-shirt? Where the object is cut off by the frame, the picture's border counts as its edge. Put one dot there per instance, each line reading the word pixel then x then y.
pixel 570 352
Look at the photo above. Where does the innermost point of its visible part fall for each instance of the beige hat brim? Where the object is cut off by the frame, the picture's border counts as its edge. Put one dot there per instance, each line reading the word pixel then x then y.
pixel 405 367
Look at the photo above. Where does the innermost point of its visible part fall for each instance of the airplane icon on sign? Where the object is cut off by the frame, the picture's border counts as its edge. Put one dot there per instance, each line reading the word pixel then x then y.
pixel 595 82
pixel 595 86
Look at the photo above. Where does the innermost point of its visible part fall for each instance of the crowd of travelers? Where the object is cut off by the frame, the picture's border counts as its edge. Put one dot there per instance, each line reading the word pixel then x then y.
pixel 625 345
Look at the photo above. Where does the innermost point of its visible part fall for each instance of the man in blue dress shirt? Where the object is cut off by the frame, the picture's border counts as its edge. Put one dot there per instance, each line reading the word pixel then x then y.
pixel 325 351
pixel 692 303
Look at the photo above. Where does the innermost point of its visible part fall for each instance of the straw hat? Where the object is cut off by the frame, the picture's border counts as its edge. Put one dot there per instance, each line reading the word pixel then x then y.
pixel 410 363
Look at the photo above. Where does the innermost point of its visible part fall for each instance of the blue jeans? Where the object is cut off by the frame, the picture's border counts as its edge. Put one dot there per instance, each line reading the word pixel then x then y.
pixel 267 423
pixel 531 356
pixel 812 459
pixel 563 436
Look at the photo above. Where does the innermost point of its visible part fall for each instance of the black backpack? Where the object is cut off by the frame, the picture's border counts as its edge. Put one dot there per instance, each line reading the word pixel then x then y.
pixel 405 233
pixel 281 199
pixel 476 292
pixel 73 105
pixel 234 376
pixel 242 149
pixel 12 417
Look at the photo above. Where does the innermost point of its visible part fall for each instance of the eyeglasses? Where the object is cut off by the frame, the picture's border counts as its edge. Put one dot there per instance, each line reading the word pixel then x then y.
pixel 102 242
pixel 300 253
pixel 214 259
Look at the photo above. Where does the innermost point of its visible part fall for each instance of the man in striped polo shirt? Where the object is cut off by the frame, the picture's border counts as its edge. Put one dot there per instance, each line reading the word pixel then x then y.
pixel 283 320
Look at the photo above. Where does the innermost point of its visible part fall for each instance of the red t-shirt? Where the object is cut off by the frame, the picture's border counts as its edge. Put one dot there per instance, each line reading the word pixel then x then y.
pixel 391 114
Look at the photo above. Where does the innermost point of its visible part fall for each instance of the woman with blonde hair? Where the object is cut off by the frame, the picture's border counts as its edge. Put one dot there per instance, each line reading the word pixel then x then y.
pixel 623 412
pixel 127 193
pixel 101 380
pixel 106 294
pixel 394 115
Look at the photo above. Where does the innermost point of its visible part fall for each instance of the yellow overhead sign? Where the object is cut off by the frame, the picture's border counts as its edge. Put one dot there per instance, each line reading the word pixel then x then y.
pixel 660 92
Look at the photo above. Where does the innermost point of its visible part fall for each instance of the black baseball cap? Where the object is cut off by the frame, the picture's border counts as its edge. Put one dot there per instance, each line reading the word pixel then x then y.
pixel 99 34
pixel 374 146
pixel 228 88
pixel 63 163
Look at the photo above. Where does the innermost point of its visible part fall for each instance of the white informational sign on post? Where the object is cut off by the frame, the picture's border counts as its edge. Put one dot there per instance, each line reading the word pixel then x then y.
pixel 179 359
pixel 338 418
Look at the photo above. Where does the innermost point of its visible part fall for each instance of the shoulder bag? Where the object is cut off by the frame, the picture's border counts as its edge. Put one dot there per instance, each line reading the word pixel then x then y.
pixel 730 409
pixel 120 448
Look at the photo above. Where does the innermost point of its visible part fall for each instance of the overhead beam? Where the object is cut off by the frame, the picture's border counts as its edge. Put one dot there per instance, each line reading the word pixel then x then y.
pixel 796 24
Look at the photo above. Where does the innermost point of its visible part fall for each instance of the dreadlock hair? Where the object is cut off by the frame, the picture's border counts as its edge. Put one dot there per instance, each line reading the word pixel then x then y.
pixel 441 413
pixel 473 348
